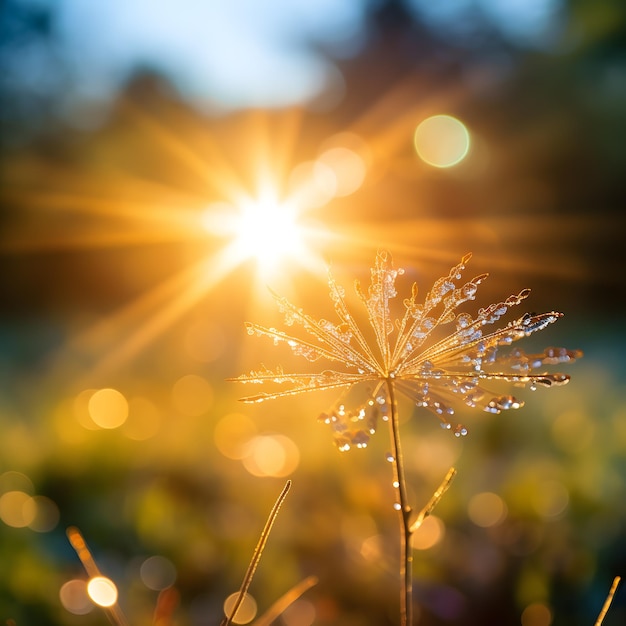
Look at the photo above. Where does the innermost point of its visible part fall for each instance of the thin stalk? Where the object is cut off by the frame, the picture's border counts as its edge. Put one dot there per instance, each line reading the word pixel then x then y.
pixel 607 602
pixel 76 539
pixel 256 557
pixel 404 512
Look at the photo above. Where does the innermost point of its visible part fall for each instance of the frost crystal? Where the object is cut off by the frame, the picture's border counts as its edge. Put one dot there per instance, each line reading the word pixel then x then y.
pixel 434 355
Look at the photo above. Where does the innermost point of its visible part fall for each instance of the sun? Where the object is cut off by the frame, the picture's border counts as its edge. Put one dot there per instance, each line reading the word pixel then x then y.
pixel 268 231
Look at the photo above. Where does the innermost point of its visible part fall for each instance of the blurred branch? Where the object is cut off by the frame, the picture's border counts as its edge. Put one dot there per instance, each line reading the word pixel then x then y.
pixel 607 602
pixel 166 604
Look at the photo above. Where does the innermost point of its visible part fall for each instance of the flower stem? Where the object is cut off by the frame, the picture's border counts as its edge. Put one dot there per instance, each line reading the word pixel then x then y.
pixel 404 512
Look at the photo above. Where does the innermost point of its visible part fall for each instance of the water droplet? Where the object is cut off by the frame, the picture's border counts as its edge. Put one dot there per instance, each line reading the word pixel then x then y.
pixel 389 457
pixel 446 425
pixel 469 290
pixel 395 484
pixel 397 506
pixel 460 431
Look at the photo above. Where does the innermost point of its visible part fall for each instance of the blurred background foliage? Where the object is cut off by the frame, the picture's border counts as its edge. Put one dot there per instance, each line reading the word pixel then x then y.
pixel 131 133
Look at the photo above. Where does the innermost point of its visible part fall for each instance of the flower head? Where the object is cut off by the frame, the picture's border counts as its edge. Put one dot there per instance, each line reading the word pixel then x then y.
pixel 432 354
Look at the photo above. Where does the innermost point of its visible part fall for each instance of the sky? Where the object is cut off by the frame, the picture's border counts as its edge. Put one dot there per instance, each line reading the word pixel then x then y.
pixel 244 53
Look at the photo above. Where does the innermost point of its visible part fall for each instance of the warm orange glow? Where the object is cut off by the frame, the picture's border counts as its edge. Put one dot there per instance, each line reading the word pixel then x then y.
pixel 486 509
pixel 102 591
pixel 271 455
pixel 108 408
pixel 371 548
pixel 204 341
pixel 17 509
pixel 232 435
pixel 429 534
pixel 536 614
pixel 348 168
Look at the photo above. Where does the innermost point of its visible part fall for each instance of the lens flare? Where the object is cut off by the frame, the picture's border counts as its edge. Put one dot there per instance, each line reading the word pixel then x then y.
pixel 442 141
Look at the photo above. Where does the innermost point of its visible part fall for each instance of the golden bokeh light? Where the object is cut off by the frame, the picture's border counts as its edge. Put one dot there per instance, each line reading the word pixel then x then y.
pixel 17 509
pixel 20 509
pixel 232 435
pixel 108 408
pixel 536 614
pixel 74 597
pixel 271 455
pixel 429 534
pixel 372 548
pixel 442 141
pixel 348 168
pixel 102 591
pixel 247 610
pixel 192 395
pixel 486 509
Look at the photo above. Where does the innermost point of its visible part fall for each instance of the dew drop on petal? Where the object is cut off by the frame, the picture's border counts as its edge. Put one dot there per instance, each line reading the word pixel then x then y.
pixel 397 506
pixel 395 484
pixel 390 457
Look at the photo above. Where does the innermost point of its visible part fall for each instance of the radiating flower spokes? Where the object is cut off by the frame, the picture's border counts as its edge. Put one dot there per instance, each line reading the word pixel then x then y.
pixel 432 372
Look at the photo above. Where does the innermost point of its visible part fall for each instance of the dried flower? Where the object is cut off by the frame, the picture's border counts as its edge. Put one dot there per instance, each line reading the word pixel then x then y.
pixel 432 354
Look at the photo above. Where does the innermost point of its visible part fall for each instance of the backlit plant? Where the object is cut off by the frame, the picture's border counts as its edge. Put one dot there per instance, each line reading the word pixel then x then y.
pixel 431 353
